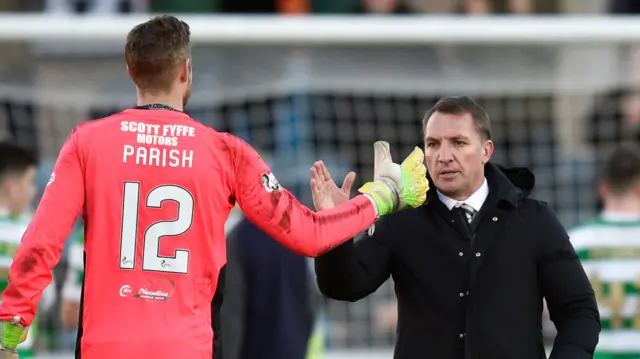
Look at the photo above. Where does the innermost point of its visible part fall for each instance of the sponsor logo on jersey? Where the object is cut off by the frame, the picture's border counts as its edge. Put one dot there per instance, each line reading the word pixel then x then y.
pixel 125 290
pixel 157 289
pixel 270 183
pixel 51 178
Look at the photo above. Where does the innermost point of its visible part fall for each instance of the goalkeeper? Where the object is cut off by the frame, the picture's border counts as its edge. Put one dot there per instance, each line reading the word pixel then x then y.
pixel 472 265
pixel 155 252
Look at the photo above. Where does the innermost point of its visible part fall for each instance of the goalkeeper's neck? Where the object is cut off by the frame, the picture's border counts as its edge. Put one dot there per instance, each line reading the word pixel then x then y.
pixel 175 100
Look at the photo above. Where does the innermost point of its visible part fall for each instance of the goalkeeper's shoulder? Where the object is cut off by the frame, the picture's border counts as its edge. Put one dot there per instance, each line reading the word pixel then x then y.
pixel 241 154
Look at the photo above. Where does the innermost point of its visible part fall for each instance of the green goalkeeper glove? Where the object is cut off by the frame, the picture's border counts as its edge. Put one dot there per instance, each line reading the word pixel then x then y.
pixel 396 187
pixel 11 334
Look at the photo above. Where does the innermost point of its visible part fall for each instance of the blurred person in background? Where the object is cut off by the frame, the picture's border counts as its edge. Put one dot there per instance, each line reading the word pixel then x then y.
pixel 384 7
pixel 17 191
pixel 624 7
pixel 477 7
pixel 512 7
pixel 266 6
pixel 233 306
pixel 609 248
pixel 97 7
pixel 615 119
pixel 271 299
pixel 71 294
pixel 471 267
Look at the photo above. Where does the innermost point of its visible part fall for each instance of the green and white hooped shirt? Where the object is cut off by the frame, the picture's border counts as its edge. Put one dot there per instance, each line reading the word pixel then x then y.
pixel 609 249
pixel 11 231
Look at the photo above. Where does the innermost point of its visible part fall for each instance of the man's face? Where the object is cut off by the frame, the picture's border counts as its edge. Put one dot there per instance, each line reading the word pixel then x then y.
pixel 21 190
pixel 455 154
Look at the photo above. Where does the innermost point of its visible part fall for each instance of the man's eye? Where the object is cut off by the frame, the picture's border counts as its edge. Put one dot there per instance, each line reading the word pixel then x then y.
pixel 430 145
pixel 460 143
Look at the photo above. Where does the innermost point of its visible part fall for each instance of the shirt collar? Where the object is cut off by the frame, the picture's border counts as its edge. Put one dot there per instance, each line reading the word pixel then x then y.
pixel 476 200
pixel 610 216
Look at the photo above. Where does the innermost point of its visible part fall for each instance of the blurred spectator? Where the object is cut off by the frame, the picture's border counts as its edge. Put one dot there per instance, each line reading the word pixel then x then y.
pixel 386 316
pixel 624 7
pixel 383 7
pixel 232 312
pixel 71 293
pixel 519 7
pixel 265 6
pixel 279 299
pixel 17 192
pixel 500 6
pixel 95 6
pixel 608 249
pixel 615 118
pixel 180 6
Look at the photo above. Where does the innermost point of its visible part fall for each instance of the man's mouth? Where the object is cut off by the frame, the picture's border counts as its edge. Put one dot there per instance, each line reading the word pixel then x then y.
pixel 448 174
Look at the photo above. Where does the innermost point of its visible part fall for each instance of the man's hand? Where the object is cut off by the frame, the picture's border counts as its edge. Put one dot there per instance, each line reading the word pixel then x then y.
pixel 69 313
pixel 326 194
pixel 396 187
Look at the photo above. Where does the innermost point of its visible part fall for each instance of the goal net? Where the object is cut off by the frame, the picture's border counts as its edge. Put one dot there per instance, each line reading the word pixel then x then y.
pixel 560 94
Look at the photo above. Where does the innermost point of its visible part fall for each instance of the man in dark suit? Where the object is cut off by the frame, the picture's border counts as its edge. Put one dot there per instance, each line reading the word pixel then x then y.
pixel 471 267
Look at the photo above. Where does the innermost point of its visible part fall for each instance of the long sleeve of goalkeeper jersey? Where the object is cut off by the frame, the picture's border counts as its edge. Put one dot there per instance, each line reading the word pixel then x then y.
pixel 277 212
pixel 42 243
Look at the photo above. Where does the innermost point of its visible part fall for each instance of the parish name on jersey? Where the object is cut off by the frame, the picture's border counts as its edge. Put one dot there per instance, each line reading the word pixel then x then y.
pixel 154 144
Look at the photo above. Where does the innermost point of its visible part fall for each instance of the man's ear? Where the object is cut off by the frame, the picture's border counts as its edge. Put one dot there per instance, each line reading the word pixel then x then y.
pixel 487 151
pixel 185 71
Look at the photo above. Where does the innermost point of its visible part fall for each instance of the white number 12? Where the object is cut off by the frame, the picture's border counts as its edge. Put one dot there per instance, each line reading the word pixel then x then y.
pixel 151 259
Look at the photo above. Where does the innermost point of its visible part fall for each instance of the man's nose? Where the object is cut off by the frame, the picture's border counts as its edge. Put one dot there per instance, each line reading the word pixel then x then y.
pixel 445 154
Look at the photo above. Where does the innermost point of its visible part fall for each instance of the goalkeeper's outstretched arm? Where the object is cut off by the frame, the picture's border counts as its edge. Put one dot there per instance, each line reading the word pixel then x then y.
pixel 277 212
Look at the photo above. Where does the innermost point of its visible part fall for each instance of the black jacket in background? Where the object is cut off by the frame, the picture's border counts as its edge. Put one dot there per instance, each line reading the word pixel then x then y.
pixel 277 309
pixel 473 298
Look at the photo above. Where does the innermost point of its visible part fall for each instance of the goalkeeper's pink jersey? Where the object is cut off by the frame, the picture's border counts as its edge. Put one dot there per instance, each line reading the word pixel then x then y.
pixel 155 189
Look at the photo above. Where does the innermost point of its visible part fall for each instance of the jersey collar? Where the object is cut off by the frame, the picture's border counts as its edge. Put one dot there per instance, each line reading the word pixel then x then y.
pixel 476 200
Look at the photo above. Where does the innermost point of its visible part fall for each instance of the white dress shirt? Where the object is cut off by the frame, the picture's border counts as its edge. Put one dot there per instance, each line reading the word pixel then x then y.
pixel 476 200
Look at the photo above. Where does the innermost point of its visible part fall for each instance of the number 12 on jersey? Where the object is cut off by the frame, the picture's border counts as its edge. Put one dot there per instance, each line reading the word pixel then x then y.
pixel 151 258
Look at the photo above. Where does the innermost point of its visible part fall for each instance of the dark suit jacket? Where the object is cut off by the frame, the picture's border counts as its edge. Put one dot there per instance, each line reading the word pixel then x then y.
pixel 473 294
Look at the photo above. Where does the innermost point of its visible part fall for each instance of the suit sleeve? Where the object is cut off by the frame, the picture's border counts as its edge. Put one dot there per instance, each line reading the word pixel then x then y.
pixel 278 213
pixel 355 269
pixel 567 290
pixel 42 243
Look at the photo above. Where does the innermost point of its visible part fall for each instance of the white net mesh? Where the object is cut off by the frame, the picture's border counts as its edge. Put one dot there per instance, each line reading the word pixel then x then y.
pixel 555 109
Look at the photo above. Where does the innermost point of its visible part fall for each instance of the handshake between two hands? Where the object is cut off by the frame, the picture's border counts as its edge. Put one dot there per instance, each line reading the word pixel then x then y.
pixel 394 186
